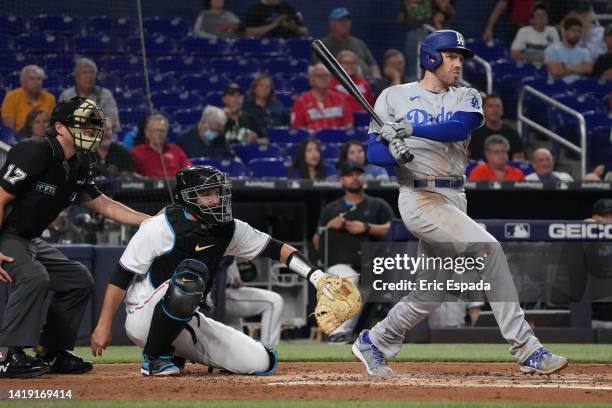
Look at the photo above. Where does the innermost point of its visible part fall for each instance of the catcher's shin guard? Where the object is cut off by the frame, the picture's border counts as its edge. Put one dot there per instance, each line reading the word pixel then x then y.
pixel 273 361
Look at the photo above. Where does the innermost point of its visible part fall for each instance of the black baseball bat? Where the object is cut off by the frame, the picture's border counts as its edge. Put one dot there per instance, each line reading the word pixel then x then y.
pixel 340 74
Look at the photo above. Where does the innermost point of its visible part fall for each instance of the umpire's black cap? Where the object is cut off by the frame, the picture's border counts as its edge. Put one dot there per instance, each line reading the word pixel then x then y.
pixel 602 207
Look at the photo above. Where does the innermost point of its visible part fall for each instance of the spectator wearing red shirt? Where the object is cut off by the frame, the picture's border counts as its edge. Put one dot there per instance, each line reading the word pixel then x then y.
pixel 350 62
pixel 519 16
pixel 156 158
pixel 321 107
pixel 496 167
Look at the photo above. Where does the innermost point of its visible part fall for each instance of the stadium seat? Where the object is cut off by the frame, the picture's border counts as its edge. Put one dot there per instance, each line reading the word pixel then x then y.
pixel 507 76
pixel 12 80
pixel 7 135
pixel 287 66
pixel 600 88
pixel 122 27
pixel 248 152
pixel 331 150
pixel 469 167
pixel 40 43
pixel 524 165
pixel 157 45
pixel 565 124
pixel 204 46
pixel 56 24
pixel 300 83
pixel 180 65
pixel 268 168
pixel 120 63
pixel 14 62
pixel 286 99
pixel 214 98
pixel 109 80
pixel 130 99
pixel 361 119
pixel 535 108
pixel 132 115
pixel 299 48
pixel 232 67
pixel 176 100
pixel 233 167
pixel 54 81
pixel 341 135
pixel 162 82
pixel 133 81
pixel 245 80
pixel 286 135
pixel 599 146
pixel 488 50
pixel 94 45
pixel 187 117
pixel 58 63
pixel 13 25
pixel 597 119
pixel 203 84
pixel 257 47
pixel 167 26
pixel 503 67
pixel 6 43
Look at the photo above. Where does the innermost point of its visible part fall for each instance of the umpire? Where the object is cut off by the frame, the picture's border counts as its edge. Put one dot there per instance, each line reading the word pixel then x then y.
pixel 41 177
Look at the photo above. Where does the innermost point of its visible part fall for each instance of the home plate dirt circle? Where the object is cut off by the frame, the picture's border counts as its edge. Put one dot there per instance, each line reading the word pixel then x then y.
pixel 340 381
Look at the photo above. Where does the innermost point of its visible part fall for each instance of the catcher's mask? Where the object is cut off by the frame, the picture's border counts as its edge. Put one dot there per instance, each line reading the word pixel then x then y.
pixel 193 187
pixel 84 120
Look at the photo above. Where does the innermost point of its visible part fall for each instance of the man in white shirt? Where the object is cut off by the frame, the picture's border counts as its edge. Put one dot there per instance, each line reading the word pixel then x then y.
pixel 531 41
pixel 544 164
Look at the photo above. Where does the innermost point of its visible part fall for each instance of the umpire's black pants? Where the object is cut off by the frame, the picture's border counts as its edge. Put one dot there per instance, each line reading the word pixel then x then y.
pixel 37 269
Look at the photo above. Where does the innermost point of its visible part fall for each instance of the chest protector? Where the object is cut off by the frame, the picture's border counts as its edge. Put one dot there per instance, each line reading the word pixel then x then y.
pixel 191 242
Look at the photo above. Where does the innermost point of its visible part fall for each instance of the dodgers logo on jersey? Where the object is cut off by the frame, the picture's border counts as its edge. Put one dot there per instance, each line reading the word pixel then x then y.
pixel 475 103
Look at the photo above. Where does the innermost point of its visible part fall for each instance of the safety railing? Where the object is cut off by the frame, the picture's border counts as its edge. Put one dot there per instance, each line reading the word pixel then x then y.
pixel 524 120
pixel 487 67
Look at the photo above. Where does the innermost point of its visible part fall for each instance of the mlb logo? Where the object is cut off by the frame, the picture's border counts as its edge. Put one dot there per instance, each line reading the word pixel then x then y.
pixel 517 230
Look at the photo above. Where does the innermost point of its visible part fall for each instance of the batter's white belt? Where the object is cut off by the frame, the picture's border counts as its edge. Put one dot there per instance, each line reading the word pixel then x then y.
pixel 439 182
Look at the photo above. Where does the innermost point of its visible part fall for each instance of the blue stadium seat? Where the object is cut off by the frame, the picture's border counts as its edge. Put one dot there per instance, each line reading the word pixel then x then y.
pixel 55 91
pixel 130 99
pixel 245 80
pixel 54 81
pixel 341 135
pixel 40 43
pixel 535 108
pixel 94 45
pixel 287 66
pixel 204 46
pixel 233 66
pixel 122 27
pixel 300 83
pixel 66 25
pixel 488 50
pixel 507 76
pixel 162 82
pixel 524 165
pixel 57 63
pixel 600 88
pixel 109 80
pixel 168 26
pixel 180 65
pixel 12 80
pixel 14 62
pixel 566 124
pixel 597 119
pixel 187 117
pixel 299 48
pixel 158 45
pixel 214 98
pixel 132 115
pixel 6 43
pixel 176 100
pixel 203 83
pixel 331 150
pixel 286 99
pixel 125 64
pixel 286 135
pixel 134 81
pixel 268 168
pixel 504 67
pixel 599 146
pixel 361 119
pixel 233 167
pixel 257 47
pixel 13 25
pixel 7 135
pixel 248 152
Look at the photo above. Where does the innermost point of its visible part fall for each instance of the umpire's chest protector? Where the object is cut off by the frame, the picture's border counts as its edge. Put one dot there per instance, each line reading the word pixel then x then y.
pixel 191 241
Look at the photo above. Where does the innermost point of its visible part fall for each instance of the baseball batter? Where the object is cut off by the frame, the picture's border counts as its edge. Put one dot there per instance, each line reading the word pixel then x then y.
pixel 433 119
pixel 168 268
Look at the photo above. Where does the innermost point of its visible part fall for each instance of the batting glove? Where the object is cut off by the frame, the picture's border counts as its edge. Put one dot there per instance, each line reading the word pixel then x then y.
pixel 393 130
pixel 399 150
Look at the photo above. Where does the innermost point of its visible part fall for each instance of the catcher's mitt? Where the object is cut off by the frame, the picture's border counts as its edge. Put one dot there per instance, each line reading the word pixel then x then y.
pixel 338 299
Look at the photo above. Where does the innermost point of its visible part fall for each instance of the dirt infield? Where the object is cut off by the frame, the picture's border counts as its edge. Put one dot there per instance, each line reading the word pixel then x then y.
pixel 340 381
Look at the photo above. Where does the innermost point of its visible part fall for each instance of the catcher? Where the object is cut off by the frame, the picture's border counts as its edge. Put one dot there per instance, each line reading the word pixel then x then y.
pixel 167 270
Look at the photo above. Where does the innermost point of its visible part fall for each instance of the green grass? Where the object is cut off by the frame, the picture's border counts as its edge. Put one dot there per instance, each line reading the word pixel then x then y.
pixel 575 353
pixel 289 404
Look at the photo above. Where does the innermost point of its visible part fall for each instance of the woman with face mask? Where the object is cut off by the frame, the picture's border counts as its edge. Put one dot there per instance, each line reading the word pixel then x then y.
pixel 207 138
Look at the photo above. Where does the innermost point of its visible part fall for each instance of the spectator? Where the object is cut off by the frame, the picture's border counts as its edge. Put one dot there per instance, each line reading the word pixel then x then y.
pixel 113 159
pixel 592 34
pixel 274 18
pixel 531 41
pixel 62 231
pixel 340 39
pixel 603 64
pixel 543 165
pixel 566 60
pixel 602 211
pixel 600 172
pixel 18 103
pixel 241 127
pixel 354 215
pixel 263 105
pixel 35 125
pixel 207 138
pixel 216 22
pixel 353 151
pixel 393 70
pixel 519 16
pixel 349 61
pixel 496 167
pixel 308 162
pixel 157 158
pixel 321 107
pixel 85 73
pixel 453 314
pixel 493 109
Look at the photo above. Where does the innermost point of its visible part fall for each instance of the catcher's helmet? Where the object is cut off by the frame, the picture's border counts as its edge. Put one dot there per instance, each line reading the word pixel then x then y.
pixel 192 181
pixel 429 53
pixel 84 119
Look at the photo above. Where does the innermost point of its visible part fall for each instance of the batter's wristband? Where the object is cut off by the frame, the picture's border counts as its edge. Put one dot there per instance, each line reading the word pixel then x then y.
pixel 300 265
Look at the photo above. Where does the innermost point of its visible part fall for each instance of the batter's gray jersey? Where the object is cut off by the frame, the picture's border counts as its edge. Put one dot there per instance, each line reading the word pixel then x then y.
pixel 412 103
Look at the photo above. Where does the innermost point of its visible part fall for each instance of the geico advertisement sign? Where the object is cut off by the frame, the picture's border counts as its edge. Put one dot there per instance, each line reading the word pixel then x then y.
pixel 580 231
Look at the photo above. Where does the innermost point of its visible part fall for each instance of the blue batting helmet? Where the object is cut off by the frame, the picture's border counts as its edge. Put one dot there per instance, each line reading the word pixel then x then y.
pixel 429 54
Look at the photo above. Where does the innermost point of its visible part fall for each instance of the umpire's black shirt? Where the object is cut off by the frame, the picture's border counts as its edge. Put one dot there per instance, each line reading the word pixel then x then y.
pixel 44 183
